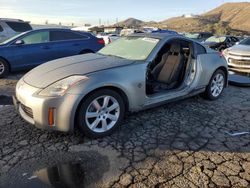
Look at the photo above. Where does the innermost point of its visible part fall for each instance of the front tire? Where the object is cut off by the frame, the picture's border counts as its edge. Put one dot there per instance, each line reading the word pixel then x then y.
pixel 4 68
pixel 101 113
pixel 216 85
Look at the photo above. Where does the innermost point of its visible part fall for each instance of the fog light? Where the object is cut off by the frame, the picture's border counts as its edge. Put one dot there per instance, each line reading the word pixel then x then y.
pixel 51 118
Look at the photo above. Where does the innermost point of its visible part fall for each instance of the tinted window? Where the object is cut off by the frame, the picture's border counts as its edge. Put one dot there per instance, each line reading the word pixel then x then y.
pixel 200 49
pixel 1 29
pixel 35 38
pixel 65 35
pixel 19 26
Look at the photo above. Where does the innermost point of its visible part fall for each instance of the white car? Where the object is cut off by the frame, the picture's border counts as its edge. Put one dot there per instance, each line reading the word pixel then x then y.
pixel 12 27
pixel 108 38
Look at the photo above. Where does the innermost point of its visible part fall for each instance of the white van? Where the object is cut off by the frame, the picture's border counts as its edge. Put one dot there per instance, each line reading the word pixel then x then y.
pixel 11 27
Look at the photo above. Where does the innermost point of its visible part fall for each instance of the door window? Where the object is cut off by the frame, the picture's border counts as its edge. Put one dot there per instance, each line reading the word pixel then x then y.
pixel 1 29
pixel 65 35
pixel 35 38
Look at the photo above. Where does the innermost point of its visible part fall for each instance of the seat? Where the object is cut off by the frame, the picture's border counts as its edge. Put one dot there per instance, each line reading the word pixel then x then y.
pixel 168 72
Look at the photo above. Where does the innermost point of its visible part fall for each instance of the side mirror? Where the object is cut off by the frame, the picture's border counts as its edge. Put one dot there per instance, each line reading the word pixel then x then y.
pixel 19 42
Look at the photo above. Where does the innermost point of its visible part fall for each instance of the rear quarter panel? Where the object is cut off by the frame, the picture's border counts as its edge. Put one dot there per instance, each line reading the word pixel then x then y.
pixel 210 62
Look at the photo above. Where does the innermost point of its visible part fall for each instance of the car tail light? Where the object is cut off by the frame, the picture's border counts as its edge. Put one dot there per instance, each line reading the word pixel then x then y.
pixel 101 41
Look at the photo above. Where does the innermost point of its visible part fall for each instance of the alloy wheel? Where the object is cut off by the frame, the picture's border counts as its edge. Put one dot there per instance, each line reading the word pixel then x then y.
pixel 2 68
pixel 217 85
pixel 102 114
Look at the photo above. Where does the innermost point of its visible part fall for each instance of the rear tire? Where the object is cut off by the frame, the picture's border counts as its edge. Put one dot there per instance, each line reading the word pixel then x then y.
pixel 216 85
pixel 4 68
pixel 86 52
pixel 101 113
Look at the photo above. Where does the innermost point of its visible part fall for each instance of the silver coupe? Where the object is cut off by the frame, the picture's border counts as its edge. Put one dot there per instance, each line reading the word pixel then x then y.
pixel 94 91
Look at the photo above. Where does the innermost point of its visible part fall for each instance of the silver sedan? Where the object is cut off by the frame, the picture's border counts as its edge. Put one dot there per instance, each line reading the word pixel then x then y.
pixel 94 91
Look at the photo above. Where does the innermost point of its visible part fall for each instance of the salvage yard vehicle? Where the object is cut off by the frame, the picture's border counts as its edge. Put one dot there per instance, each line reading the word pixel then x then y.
pixel 220 43
pixel 140 71
pixel 35 47
pixel 11 27
pixel 200 37
pixel 238 57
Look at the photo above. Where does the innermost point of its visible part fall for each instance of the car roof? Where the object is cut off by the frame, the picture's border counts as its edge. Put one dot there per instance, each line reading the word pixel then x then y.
pixel 56 29
pixel 12 20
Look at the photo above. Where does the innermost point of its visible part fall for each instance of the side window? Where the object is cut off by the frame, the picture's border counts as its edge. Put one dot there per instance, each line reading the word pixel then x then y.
pixel 19 26
pixel 200 49
pixel 65 35
pixel 1 29
pixel 35 38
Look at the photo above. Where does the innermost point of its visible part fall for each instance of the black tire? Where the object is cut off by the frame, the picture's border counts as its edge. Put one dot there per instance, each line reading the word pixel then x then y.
pixel 4 68
pixel 208 93
pixel 81 116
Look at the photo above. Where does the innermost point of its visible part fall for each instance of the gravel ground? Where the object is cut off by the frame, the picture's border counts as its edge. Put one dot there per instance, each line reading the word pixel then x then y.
pixel 182 144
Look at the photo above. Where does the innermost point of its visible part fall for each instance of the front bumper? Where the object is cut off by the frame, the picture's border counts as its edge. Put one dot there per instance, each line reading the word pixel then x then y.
pixel 35 109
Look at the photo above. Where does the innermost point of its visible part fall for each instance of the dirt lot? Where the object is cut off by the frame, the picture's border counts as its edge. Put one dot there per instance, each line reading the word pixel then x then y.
pixel 183 144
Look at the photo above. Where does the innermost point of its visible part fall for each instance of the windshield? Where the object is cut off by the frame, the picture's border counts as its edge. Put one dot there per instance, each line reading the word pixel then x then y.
pixel 245 42
pixel 192 35
pixel 132 48
pixel 10 39
pixel 216 39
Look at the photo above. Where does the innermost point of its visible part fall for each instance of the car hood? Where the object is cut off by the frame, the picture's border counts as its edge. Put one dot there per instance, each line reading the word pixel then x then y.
pixel 48 73
pixel 240 50
pixel 211 43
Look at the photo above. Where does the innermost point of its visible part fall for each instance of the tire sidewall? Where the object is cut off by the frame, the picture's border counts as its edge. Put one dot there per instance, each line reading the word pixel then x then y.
pixel 6 69
pixel 208 90
pixel 84 106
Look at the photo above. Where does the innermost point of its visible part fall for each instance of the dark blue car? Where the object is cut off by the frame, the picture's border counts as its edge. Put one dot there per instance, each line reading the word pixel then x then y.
pixel 35 47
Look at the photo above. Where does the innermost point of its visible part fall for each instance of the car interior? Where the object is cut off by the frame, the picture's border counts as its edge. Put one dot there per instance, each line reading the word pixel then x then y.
pixel 170 67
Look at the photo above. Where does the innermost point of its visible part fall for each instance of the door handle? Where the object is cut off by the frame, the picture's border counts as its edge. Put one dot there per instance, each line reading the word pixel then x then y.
pixel 45 47
pixel 76 44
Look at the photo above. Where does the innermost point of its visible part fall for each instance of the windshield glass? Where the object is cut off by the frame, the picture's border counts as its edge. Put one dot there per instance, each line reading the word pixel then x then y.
pixel 132 48
pixel 245 42
pixel 216 39
pixel 192 35
pixel 10 39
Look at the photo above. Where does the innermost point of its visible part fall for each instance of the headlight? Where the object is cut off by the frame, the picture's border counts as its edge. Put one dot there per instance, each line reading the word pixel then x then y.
pixel 225 52
pixel 60 87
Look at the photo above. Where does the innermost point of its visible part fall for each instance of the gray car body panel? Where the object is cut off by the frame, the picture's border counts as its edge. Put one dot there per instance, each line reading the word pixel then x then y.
pixel 126 76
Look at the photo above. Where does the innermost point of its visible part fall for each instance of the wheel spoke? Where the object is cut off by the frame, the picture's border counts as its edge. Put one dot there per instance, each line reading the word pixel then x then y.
pixel 113 107
pixel 106 101
pixel 96 105
pixel 92 114
pixel 112 117
pixel 104 124
pixel 95 123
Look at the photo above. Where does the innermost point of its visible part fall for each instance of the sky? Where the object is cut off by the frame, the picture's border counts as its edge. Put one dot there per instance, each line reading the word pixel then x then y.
pixel 81 12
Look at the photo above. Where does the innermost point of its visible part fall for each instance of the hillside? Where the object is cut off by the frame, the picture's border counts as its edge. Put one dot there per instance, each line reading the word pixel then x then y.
pixel 234 16
pixel 228 18
pixel 130 22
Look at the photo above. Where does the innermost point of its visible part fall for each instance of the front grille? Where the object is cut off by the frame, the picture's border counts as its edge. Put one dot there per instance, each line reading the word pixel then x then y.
pixel 27 110
pixel 240 62
pixel 237 55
